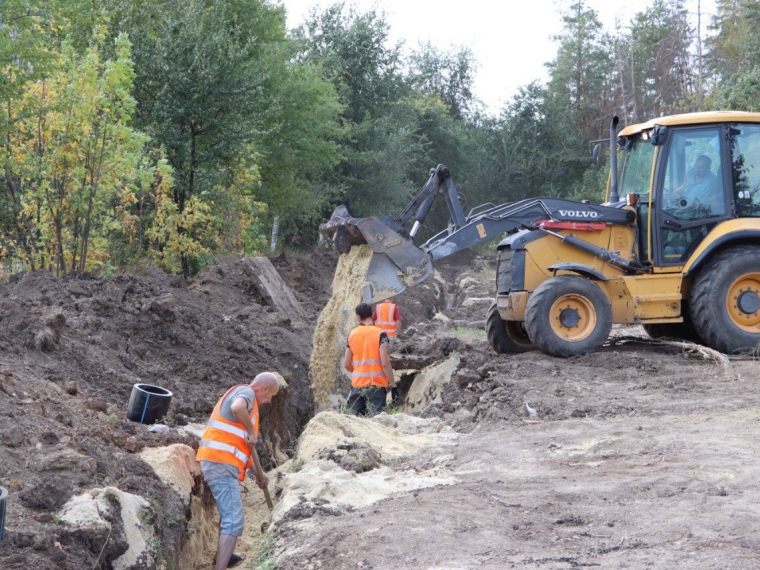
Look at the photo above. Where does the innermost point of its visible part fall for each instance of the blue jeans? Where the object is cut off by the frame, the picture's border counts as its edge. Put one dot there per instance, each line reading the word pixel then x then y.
pixel 229 503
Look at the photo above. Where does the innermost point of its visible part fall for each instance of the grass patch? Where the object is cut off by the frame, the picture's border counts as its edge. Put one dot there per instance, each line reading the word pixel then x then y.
pixel 296 466
pixel 462 331
pixel 264 558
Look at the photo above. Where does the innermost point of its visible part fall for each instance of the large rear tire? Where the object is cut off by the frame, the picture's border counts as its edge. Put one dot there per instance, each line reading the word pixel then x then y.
pixel 568 316
pixel 725 300
pixel 506 337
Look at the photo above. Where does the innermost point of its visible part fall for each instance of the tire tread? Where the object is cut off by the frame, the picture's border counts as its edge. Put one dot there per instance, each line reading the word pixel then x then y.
pixel 702 299
pixel 542 335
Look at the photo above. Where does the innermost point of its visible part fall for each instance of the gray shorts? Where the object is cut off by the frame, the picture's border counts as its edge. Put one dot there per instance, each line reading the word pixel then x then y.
pixel 229 503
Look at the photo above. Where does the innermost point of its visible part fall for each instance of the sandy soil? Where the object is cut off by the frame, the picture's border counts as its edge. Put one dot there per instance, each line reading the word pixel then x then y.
pixel 630 468
pixel 641 456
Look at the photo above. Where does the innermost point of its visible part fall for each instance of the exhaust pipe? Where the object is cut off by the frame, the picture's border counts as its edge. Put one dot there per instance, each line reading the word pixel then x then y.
pixel 614 195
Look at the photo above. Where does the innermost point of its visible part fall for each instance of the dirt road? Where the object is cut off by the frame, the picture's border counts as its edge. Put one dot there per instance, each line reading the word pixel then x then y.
pixel 644 459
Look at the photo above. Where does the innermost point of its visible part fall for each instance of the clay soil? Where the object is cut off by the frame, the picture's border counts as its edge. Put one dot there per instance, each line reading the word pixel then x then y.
pixel 71 350
pixel 640 455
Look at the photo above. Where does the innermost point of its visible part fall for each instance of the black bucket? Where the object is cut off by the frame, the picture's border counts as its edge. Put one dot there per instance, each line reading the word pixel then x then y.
pixel 148 404
pixel 3 496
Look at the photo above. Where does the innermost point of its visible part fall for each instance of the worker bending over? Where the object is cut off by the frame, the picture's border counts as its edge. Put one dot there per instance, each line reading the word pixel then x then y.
pixel 226 453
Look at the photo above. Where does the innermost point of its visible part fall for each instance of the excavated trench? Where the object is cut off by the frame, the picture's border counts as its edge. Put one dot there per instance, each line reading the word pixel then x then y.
pixel 339 463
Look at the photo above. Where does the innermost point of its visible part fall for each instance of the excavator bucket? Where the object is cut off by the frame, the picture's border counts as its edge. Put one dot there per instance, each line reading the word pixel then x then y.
pixel 396 262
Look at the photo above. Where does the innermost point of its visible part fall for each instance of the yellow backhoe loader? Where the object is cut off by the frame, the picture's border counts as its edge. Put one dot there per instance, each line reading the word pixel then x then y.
pixel 675 247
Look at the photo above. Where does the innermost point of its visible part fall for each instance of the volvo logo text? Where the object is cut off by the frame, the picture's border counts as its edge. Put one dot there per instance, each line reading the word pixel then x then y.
pixel 578 214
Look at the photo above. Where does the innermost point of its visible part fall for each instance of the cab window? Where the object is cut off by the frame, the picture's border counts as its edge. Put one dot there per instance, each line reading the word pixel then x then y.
pixel 693 182
pixel 635 173
pixel 745 168
pixel 692 197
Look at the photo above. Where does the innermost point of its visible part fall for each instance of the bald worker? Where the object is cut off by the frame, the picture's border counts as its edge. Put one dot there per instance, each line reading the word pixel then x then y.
pixel 226 454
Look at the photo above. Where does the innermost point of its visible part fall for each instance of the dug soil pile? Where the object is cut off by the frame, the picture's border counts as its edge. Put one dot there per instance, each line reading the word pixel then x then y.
pixel 638 456
pixel 335 322
pixel 71 351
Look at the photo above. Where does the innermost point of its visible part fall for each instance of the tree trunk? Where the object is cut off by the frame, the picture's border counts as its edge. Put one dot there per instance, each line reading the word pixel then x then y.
pixel 275 232
pixel 699 53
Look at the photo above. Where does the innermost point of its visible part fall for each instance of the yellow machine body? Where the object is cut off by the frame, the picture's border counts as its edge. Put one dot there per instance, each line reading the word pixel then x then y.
pixel 659 292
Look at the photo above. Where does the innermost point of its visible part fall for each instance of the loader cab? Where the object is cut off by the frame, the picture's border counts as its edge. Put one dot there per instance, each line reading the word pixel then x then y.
pixel 691 178
pixel 700 175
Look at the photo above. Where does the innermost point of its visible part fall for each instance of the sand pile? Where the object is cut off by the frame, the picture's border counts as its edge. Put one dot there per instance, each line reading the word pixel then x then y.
pixel 390 436
pixel 429 385
pixel 323 482
pixel 335 322
pixel 320 479
pixel 119 512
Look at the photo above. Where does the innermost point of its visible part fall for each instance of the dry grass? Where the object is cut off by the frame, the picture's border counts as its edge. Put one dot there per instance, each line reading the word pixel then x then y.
pixel 44 339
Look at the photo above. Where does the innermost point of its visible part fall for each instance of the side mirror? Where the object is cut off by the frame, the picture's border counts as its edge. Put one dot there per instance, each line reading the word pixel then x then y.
pixel 598 155
pixel 659 135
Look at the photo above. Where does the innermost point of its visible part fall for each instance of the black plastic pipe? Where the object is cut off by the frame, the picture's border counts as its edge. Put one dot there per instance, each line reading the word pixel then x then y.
pixel 148 404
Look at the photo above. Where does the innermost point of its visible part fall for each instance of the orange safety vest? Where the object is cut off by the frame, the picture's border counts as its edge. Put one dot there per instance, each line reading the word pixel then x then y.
pixel 223 441
pixel 385 320
pixel 364 342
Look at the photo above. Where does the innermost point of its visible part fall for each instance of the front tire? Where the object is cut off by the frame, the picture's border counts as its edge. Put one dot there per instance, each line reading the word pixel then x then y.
pixel 506 337
pixel 725 300
pixel 568 316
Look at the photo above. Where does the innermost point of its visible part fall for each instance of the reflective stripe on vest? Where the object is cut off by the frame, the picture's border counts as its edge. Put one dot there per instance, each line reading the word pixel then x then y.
pixel 364 342
pixel 385 320
pixel 228 428
pixel 224 447
pixel 223 441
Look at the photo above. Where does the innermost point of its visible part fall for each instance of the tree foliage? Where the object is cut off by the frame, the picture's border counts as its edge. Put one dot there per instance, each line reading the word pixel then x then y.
pixel 72 163
pixel 174 132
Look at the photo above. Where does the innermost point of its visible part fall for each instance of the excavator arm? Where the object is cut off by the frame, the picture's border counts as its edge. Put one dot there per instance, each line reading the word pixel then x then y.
pixel 397 263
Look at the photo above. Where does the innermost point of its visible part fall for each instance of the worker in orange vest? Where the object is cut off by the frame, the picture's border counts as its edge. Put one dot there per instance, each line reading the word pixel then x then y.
pixel 369 362
pixel 225 454
pixel 388 318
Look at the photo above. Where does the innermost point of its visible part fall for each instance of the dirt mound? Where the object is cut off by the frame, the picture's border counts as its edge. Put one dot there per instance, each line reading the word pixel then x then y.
pixel 72 348
pixel 310 277
pixel 343 462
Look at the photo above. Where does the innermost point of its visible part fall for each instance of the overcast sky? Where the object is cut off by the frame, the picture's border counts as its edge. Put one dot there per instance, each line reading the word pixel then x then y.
pixel 511 39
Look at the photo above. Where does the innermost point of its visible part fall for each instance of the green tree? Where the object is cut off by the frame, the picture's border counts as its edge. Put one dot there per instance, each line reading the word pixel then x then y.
pixel 663 74
pixel 26 28
pixel 734 56
pixel 354 50
pixel 298 146
pixel 579 85
pixel 448 75
pixel 73 161
pixel 727 45
pixel 198 88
